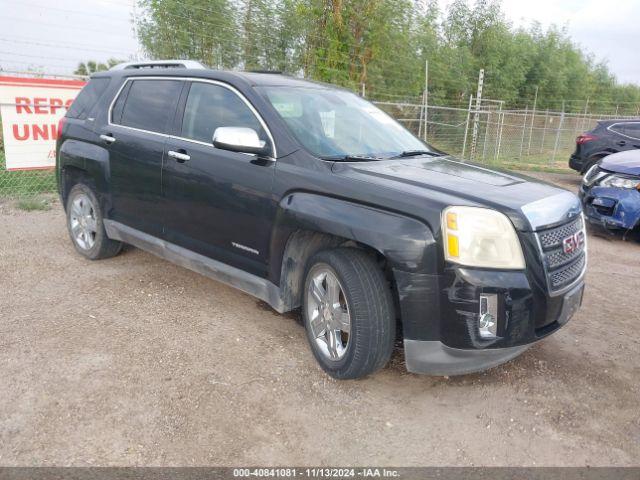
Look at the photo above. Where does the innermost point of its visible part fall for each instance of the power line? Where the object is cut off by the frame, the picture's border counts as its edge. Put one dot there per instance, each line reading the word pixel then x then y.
pixel 23 55
pixel 77 46
pixel 87 29
pixel 58 9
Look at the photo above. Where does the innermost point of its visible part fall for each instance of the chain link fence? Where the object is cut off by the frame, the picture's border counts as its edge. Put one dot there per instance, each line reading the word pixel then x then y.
pixel 23 183
pixel 514 139
pixel 491 135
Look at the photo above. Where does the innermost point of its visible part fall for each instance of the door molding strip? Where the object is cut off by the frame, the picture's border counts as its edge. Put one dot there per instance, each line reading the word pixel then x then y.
pixel 247 282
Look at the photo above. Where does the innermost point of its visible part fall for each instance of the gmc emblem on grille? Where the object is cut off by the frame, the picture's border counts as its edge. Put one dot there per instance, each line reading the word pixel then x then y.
pixel 573 242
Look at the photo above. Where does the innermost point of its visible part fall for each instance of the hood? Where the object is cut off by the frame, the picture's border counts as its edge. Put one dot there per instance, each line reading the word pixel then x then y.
pixel 452 181
pixel 627 162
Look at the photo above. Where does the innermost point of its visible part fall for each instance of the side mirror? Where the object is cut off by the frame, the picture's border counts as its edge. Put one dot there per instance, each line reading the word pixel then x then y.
pixel 239 139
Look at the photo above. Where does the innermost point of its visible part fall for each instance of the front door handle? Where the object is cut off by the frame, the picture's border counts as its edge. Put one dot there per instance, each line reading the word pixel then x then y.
pixel 180 157
pixel 107 138
pixel 622 143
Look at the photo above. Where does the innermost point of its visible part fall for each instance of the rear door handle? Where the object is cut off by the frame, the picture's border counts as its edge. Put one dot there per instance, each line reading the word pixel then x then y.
pixel 622 143
pixel 179 156
pixel 107 138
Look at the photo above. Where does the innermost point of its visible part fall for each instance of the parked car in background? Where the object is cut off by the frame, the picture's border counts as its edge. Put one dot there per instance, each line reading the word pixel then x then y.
pixel 610 136
pixel 308 196
pixel 610 191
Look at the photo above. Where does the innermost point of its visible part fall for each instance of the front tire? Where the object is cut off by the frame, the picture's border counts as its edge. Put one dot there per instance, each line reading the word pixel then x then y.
pixel 85 225
pixel 348 313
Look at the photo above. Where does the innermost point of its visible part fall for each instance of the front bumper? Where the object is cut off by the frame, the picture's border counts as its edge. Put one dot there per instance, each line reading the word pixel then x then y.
pixel 576 163
pixel 522 322
pixel 611 208
pixel 435 358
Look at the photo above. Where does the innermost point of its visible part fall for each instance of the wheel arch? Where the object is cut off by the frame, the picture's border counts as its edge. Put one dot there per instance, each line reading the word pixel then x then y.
pixel 307 223
pixel 596 157
pixel 82 161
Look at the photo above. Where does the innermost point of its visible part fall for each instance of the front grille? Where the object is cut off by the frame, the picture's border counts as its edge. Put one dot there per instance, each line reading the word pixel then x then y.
pixel 561 268
pixel 591 175
pixel 553 238
pixel 558 257
pixel 565 276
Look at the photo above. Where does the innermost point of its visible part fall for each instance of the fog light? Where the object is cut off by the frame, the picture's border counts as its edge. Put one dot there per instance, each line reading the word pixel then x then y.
pixel 488 317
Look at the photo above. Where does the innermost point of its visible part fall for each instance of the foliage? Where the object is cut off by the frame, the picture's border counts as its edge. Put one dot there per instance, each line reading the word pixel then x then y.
pixel 383 45
pixel 91 66
pixel 30 204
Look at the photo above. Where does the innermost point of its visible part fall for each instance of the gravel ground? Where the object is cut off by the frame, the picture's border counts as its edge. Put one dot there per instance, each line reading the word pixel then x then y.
pixel 134 361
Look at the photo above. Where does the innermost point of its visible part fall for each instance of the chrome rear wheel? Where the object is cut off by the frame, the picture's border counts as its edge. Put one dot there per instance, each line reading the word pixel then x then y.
pixel 85 224
pixel 82 221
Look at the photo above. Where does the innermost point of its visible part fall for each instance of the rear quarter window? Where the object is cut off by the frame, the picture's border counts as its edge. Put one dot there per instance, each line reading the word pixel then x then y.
pixel 87 98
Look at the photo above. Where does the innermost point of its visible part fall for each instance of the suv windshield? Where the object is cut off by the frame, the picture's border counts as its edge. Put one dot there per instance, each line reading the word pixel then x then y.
pixel 334 124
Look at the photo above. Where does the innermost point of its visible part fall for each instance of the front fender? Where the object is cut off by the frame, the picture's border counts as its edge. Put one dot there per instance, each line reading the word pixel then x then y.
pixel 407 243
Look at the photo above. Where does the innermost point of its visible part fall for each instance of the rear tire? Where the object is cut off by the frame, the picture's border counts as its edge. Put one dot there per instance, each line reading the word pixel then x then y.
pixel 85 225
pixel 348 313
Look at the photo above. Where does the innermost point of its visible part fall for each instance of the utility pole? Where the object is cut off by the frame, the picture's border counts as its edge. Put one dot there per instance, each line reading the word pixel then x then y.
pixel 544 130
pixel 476 117
pixel 584 118
pixel 466 128
pixel 425 97
pixel 524 128
pixel 533 118
pixel 500 127
pixel 555 146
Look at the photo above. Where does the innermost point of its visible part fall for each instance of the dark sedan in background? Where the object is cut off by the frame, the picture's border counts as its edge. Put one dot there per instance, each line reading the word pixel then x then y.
pixel 610 136
pixel 610 192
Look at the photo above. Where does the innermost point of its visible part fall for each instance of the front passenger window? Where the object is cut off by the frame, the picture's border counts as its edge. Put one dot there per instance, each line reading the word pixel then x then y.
pixel 211 106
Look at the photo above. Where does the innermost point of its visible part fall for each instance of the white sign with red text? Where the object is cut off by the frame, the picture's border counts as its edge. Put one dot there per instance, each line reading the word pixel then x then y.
pixel 30 109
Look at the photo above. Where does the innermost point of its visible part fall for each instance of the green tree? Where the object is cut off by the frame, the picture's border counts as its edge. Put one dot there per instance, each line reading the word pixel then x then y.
pixel 383 45
pixel 91 66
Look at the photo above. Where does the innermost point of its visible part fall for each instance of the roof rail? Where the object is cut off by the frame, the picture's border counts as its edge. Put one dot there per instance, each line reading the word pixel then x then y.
pixel 158 64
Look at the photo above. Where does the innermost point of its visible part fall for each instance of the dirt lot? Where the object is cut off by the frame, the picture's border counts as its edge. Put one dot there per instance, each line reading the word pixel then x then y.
pixel 133 361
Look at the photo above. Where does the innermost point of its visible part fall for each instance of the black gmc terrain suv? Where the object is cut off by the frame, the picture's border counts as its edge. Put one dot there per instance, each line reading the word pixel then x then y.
pixel 305 195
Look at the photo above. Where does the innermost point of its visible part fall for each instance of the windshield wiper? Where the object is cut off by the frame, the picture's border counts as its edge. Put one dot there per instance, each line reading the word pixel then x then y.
pixel 352 158
pixel 415 153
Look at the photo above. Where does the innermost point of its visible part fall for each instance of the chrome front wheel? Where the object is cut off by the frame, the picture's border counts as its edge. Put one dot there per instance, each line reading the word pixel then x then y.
pixel 348 312
pixel 328 313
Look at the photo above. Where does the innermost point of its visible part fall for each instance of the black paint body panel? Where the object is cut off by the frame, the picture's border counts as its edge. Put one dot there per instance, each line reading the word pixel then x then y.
pixel 220 198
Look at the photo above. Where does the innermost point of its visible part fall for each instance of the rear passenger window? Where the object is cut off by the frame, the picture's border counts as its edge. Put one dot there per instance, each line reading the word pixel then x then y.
pixel 87 98
pixel 632 130
pixel 211 106
pixel 149 104
pixel 618 128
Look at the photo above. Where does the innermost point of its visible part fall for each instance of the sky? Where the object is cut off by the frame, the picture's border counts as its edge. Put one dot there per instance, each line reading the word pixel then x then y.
pixel 53 36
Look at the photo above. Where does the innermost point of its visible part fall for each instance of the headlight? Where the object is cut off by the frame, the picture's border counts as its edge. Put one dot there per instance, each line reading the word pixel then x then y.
pixel 480 237
pixel 592 175
pixel 616 181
